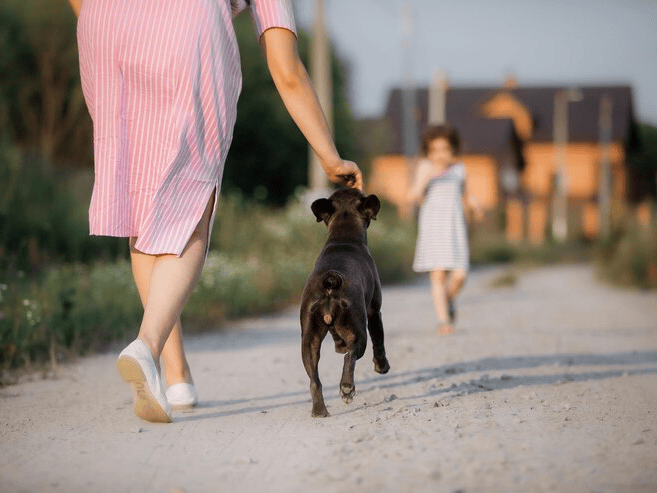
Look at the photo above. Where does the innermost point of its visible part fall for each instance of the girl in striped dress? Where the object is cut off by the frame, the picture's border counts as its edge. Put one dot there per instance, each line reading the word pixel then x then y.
pixel 161 79
pixel 442 245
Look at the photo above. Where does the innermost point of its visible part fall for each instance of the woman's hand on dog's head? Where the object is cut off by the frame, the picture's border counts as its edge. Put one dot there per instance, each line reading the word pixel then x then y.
pixel 345 173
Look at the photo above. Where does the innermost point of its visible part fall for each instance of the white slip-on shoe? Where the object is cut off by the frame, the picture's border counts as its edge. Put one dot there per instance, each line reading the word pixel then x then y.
pixel 137 367
pixel 182 396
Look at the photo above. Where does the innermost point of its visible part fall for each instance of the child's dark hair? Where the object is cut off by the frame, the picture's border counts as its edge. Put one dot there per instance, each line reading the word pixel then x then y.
pixel 446 132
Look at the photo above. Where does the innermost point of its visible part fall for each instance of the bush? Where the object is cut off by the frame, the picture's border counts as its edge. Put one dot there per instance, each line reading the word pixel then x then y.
pixel 70 309
pixel 43 216
pixel 629 256
pixel 496 251
pixel 260 260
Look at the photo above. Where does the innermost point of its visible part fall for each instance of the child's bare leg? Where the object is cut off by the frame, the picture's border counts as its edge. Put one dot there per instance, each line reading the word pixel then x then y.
pixel 456 282
pixel 439 294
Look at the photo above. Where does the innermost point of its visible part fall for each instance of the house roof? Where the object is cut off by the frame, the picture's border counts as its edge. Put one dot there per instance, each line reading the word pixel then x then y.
pixel 479 134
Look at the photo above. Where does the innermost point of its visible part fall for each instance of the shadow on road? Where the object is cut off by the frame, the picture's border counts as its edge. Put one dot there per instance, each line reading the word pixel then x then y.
pixel 625 364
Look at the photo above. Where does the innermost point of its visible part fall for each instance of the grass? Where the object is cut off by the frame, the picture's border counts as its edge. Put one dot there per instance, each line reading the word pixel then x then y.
pixel 629 256
pixel 504 280
pixel 259 262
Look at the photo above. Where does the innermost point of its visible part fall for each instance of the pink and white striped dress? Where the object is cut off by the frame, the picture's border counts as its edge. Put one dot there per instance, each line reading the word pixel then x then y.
pixel 161 79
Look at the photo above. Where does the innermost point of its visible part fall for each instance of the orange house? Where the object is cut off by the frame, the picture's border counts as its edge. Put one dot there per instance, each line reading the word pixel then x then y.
pixel 535 154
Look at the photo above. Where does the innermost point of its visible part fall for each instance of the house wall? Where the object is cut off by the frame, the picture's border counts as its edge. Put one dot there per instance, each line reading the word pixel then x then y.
pixel 504 105
pixel 481 179
pixel 390 179
pixel 526 220
pixel 583 177
pixel 582 168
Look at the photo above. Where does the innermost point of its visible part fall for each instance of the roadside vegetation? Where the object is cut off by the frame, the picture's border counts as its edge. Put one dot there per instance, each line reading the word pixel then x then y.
pixel 64 293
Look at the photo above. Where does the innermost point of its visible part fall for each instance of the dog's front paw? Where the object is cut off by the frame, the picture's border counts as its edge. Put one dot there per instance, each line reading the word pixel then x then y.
pixel 381 366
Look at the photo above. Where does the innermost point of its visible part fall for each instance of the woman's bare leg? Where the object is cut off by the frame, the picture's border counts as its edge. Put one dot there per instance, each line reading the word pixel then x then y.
pixel 172 281
pixel 176 368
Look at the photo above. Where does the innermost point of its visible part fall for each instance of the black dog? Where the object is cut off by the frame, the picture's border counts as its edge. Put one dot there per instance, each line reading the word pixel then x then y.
pixel 343 294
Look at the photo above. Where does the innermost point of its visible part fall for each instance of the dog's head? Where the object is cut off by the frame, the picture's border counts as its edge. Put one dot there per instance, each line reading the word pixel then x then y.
pixel 347 206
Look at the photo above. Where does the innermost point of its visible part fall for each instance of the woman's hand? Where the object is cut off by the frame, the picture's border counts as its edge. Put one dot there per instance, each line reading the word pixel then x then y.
pixel 298 95
pixel 344 173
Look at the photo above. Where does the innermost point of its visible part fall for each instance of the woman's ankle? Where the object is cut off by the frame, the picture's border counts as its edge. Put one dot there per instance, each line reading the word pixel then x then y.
pixel 182 375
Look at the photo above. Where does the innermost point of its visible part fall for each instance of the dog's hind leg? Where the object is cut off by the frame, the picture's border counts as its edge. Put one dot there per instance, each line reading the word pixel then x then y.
pixel 311 343
pixel 375 327
pixel 356 350
pixel 347 388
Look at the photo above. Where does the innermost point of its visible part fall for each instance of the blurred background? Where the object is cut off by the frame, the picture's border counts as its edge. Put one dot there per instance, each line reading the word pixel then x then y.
pixel 554 101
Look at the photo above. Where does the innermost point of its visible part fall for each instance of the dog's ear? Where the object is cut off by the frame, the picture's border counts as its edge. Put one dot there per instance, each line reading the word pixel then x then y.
pixel 322 208
pixel 369 206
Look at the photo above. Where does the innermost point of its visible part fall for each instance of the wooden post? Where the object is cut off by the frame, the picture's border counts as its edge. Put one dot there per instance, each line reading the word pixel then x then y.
pixel 437 99
pixel 320 66
pixel 560 136
pixel 409 106
pixel 604 194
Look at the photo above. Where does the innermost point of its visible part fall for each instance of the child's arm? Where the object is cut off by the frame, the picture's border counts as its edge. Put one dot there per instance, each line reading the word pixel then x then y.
pixel 471 204
pixel 419 183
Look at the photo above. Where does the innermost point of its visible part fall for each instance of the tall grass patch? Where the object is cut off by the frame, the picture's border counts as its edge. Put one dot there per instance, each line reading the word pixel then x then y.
pixel 259 261
pixel 629 255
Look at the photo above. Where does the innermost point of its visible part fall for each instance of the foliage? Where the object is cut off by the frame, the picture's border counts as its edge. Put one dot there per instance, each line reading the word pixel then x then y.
pixel 259 262
pixel 42 105
pixel 40 90
pixel 43 215
pixel 644 165
pixel 268 158
pixel 648 136
pixel 496 250
pixel 629 256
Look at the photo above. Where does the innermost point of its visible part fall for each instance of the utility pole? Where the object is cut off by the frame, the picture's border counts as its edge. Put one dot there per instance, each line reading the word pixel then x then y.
pixel 320 66
pixel 604 193
pixel 560 136
pixel 409 121
pixel 438 98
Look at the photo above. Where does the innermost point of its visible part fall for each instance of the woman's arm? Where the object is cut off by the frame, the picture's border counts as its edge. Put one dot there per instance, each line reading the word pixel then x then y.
pixel 75 5
pixel 298 94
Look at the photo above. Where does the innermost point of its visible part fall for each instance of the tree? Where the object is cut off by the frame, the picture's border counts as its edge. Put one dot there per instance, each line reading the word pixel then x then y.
pixel 643 165
pixel 43 107
pixel 269 155
pixel 40 83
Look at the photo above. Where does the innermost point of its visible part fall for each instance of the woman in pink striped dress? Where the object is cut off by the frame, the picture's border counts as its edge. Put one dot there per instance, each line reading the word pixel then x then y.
pixel 161 79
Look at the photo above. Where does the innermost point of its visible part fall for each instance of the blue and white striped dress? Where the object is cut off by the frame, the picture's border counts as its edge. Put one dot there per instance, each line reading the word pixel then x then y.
pixel 442 242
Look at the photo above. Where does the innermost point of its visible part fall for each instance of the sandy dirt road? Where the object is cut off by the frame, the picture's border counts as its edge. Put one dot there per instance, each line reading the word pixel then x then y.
pixel 547 385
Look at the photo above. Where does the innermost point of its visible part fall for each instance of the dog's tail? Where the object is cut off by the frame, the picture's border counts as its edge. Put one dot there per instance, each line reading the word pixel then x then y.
pixel 331 282
pixel 331 299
